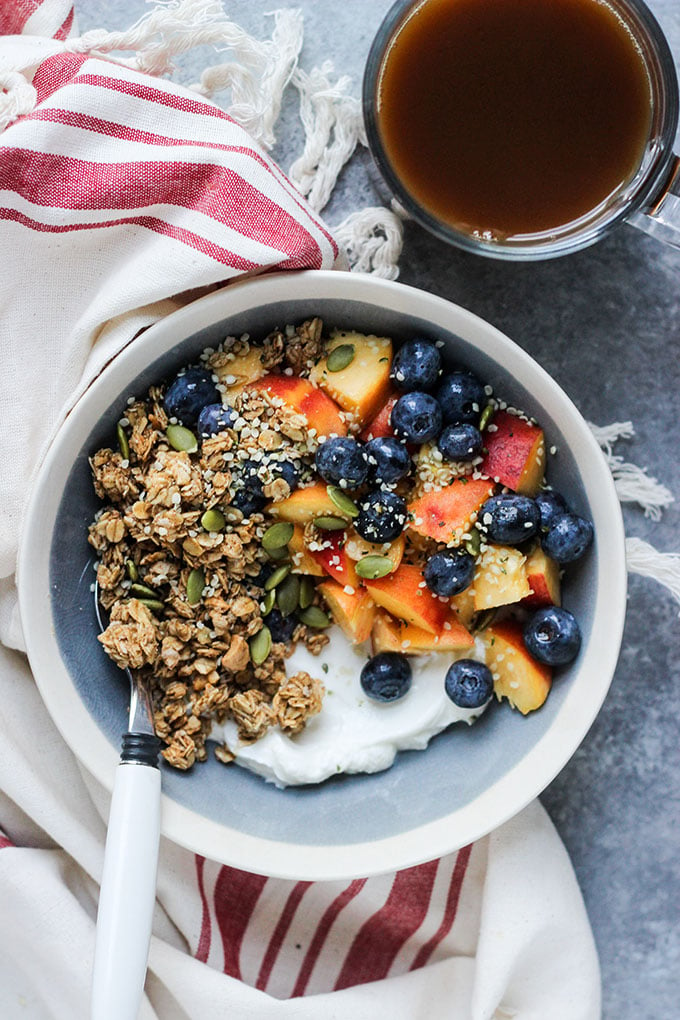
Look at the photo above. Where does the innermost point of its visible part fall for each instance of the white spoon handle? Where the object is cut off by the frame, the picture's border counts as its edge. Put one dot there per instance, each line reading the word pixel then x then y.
pixel 128 893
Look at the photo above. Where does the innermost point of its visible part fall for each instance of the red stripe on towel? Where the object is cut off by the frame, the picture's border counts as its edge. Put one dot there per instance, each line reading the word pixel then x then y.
pixel 450 910
pixel 382 935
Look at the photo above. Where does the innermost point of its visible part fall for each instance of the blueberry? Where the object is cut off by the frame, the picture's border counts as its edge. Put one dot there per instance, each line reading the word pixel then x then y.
pixel 280 627
pixel 248 502
pixel 416 417
pixel 386 677
pixel 260 578
pixel 461 397
pixel 249 477
pixel 510 519
pixel 567 538
pixel 416 366
pixel 382 516
pixel 550 505
pixel 448 573
pixel 469 684
pixel 189 393
pixel 389 459
pixel 342 459
pixel 461 442
pixel 553 636
pixel 215 418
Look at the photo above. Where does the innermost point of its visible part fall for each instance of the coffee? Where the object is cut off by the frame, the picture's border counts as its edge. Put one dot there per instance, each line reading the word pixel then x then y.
pixel 508 118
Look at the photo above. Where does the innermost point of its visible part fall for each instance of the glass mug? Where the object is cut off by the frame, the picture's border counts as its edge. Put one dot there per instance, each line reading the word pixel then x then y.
pixel 648 199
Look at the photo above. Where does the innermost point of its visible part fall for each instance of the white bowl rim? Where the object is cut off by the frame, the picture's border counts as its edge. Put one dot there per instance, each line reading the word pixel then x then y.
pixel 499 802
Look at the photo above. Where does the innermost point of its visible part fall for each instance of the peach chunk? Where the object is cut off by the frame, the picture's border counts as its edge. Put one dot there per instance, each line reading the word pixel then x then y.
pixel 302 559
pixel 357 547
pixel 334 561
pixel 543 575
pixel 242 369
pixel 500 577
pixel 354 614
pixel 380 426
pixel 390 635
pixel 515 453
pixel 464 605
pixel 322 413
pixel 305 504
pixel 401 595
pixel 362 387
pixel 517 676
pixel 447 514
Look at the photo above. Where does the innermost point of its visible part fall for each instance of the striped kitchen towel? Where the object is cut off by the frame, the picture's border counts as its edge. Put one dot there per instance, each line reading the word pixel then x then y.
pixel 123 195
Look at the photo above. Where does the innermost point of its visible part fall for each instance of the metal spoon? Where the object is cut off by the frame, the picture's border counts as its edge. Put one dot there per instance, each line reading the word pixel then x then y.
pixel 128 887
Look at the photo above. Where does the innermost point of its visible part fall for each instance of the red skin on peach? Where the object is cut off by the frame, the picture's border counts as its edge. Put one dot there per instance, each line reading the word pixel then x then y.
pixel 322 413
pixel 335 561
pixel 515 453
pixel 380 426
pixel 442 514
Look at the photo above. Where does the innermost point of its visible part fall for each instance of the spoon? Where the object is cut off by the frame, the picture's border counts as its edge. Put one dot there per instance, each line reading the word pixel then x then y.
pixel 128 886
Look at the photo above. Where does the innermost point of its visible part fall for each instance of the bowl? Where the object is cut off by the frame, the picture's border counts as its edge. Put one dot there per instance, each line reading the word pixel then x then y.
pixel 470 779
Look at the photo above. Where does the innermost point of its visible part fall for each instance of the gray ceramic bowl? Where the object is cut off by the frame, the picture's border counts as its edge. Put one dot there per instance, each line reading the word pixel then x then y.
pixel 470 779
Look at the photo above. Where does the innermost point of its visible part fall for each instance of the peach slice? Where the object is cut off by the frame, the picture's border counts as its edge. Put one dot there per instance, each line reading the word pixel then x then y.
pixel 305 504
pixel 354 614
pixel 322 413
pixel 447 514
pixel 390 635
pixel 401 595
pixel 334 561
pixel 302 559
pixel 380 426
pixel 516 675
pixel 500 577
pixel 357 547
pixel 515 453
pixel 464 605
pixel 362 387
pixel 543 575
pixel 243 369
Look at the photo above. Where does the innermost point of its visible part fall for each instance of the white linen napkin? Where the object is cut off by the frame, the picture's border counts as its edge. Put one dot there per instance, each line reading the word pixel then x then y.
pixel 123 195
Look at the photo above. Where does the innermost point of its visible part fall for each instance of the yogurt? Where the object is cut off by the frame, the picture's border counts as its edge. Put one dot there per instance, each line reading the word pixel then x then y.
pixel 353 733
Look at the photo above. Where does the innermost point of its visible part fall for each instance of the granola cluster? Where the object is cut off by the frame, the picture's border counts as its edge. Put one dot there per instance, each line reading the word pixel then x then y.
pixel 195 652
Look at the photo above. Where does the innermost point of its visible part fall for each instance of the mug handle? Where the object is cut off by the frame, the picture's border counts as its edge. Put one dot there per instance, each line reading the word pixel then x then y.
pixel 662 219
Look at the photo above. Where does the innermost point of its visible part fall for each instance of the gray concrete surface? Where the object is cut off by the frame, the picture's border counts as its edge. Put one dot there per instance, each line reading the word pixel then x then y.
pixel 606 324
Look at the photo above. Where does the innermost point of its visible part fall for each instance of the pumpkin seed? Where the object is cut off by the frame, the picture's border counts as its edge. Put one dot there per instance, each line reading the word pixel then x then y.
pixel 328 523
pixel 142 591
pixel 153 604
pixel 277 536
pixel 374 566
pixel 279 555
pixel 260 646
pixel 268 602
pixel 306 592
pixel 484 619
pixel 287 595
pixel 181 438
pixel 314 617
pixel 487 415
pixel 213 520
pixel 340 357
pixel 277 577
pixel 473 542
pixel 195 586
pixel 342 501
pixel 131 569
pixel 123 444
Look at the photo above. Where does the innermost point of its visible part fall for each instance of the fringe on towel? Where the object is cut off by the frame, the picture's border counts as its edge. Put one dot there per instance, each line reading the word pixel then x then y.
pixel 634 485
pixel 257 75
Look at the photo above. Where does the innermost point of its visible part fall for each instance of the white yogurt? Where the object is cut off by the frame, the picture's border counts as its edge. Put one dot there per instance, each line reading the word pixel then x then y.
pixel 353 733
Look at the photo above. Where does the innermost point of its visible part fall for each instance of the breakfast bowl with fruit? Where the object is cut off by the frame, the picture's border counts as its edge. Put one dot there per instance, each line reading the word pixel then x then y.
pixel 363 552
